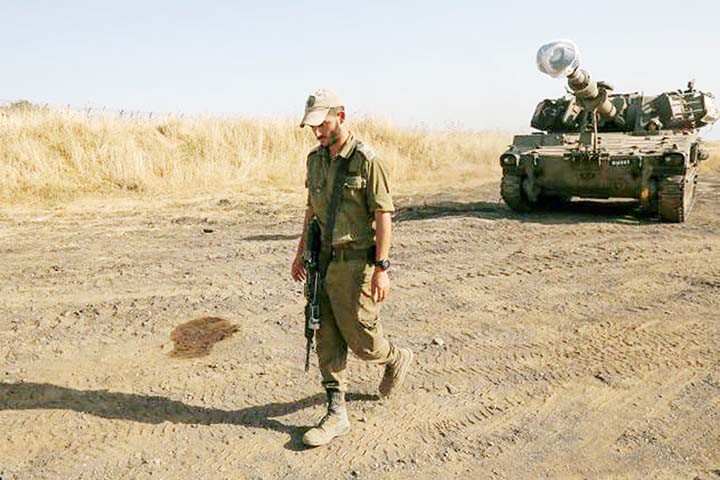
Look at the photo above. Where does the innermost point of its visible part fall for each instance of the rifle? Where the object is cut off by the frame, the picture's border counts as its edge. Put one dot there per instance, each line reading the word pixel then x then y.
pixel 312 286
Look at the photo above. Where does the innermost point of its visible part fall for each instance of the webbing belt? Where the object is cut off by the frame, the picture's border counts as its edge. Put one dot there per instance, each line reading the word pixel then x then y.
pixel 348 254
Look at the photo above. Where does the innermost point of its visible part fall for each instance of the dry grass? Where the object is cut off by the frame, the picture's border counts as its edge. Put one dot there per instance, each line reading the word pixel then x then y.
pixel 713 163
pixel 50 155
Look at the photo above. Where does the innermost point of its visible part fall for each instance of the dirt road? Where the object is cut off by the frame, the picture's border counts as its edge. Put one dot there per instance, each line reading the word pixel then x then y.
pixel 579 343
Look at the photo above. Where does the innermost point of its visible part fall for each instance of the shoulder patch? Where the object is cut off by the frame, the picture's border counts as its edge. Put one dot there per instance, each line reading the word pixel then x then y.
pixel 366 151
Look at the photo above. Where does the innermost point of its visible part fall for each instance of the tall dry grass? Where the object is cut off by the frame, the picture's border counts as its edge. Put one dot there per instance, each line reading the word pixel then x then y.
pixel 52 155
pixel 713 163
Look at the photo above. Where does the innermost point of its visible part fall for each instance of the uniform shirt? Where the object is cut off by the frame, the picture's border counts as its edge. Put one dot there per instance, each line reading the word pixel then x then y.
pixel 366 190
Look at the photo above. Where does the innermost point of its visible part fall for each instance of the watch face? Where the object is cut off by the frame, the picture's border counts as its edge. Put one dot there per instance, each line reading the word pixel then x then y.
pixel 384 264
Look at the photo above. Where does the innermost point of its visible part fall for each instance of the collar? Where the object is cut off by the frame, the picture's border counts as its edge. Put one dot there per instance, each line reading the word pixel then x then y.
pixel 349 146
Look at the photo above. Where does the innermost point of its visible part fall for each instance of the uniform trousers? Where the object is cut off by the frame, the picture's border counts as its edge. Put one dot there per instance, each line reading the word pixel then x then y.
pixel 349 320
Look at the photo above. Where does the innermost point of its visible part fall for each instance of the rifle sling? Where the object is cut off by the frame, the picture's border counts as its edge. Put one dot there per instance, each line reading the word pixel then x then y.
pixel 339 182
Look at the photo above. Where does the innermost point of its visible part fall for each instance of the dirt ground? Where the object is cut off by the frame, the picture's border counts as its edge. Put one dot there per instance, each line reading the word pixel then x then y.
pixel 575 343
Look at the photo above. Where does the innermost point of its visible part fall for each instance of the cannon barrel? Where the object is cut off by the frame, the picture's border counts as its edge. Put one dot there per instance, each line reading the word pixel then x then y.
pixel 562 58
pixel 688 109
pixel 591 95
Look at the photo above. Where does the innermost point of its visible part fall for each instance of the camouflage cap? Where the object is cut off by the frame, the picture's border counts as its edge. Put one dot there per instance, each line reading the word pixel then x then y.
pixel 318 106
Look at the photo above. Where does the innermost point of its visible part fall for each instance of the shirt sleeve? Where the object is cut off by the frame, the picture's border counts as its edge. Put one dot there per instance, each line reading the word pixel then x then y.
pixel 378 192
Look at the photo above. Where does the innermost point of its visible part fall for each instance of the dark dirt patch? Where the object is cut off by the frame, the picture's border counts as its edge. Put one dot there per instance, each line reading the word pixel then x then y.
pixel 196 338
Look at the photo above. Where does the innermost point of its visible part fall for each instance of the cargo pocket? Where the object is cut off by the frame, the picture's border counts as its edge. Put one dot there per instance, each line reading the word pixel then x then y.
pixel 367 309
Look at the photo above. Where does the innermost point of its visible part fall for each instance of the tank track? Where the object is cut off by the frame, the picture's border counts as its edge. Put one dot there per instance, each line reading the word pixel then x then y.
pixel 676 197
pixel 512 193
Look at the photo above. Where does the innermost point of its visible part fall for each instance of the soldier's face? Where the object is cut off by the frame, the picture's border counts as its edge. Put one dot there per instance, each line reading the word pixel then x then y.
pixel 328 132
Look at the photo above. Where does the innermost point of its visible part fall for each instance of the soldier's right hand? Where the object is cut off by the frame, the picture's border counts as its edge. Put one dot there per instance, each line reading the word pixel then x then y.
pixel 298 269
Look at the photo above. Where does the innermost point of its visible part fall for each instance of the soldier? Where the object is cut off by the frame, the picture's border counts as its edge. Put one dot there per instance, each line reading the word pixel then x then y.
pixel 653 125
pixel 354 258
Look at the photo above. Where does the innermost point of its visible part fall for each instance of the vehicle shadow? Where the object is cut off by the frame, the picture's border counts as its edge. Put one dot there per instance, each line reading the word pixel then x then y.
pixel 623 211
pixel 440 209
pixel 582 211
pixel 156 409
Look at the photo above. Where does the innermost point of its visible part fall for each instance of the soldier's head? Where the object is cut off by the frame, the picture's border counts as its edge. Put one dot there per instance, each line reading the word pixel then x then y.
pixel 653 124
pixel 325 114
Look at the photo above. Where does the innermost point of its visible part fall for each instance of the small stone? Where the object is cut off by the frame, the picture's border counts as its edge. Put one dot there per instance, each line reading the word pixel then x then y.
pixel 452 389
pixel 438 341
pixel 208 230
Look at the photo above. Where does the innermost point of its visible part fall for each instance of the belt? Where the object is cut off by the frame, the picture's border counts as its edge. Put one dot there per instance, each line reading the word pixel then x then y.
pixel 347 254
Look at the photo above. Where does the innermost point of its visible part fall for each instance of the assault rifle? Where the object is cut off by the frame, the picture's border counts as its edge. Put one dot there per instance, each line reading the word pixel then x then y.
pixel 312 286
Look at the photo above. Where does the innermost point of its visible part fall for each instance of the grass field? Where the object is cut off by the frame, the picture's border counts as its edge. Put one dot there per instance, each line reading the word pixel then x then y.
pixel 51 155
pixel 713 164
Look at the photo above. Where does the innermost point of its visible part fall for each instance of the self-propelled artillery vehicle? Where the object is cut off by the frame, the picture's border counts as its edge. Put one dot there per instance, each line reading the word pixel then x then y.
pixel 595 143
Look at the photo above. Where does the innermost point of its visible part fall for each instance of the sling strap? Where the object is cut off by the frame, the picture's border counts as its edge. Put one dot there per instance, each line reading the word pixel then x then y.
pixel 340 174
pixel 327 236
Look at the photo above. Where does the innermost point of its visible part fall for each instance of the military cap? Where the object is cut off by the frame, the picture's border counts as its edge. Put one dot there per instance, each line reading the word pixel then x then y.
pixel 317 107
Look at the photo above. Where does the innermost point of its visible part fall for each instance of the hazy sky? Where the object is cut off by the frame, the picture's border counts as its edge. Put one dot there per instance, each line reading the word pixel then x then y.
pixel 435 64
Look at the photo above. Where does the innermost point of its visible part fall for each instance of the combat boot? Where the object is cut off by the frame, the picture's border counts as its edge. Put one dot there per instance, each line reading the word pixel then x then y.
pixel 396 372
pixel 334 424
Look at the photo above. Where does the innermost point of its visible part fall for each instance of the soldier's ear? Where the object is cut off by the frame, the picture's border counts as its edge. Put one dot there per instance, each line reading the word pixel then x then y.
pixel 341 116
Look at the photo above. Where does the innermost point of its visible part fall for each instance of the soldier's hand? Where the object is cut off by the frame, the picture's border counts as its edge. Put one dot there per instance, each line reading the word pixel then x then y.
pixel 298 269
pixel 380 286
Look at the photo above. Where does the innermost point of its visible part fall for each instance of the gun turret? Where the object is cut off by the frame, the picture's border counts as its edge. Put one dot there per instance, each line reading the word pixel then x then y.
pixel 592 101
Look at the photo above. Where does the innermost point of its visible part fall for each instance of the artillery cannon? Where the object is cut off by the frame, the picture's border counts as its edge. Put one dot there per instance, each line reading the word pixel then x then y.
pixel 595 143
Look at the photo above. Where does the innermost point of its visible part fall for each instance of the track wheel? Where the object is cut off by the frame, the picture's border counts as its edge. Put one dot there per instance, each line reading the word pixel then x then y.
pixel 513 194
pixel 676 197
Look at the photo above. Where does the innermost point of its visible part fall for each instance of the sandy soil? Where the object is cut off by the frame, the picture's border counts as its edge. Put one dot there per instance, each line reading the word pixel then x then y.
pixel 577 343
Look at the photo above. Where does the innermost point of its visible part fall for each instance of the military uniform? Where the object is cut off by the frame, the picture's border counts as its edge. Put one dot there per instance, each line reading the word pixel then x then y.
pixel 349 319
pixel 348 314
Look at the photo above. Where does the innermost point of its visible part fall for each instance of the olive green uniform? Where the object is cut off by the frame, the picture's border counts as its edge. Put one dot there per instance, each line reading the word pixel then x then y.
pixel 348 318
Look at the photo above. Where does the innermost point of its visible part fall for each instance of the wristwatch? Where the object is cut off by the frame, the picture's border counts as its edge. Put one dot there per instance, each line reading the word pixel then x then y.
pixel 383 264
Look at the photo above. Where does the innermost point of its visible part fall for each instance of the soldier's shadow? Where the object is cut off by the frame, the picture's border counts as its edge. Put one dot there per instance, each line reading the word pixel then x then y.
pixel 156 409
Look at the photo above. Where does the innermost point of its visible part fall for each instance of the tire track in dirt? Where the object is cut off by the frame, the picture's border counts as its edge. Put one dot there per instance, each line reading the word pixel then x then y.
pixel 577 332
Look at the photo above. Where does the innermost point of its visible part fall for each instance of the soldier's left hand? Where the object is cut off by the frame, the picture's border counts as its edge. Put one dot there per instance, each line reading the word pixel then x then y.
pixel 380 286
